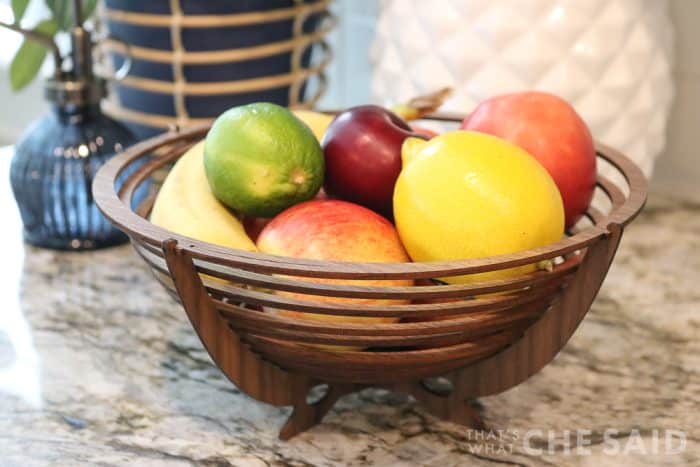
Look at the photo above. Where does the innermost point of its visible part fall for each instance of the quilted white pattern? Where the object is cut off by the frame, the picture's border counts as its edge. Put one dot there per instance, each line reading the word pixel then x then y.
pixel 610 58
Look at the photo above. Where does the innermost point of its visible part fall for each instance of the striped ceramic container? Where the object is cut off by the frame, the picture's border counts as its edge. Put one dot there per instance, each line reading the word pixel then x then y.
pixel 193 59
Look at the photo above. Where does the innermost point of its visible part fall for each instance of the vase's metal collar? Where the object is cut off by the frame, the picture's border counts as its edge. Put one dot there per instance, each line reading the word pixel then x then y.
pixel 84 82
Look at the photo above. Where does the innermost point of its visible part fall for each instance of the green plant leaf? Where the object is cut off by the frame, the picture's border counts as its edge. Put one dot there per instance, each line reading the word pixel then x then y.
pixel 28 59
pixel 89 8
pixel 59 11
pixel 53 5
pixel 62 11
pixel 18 9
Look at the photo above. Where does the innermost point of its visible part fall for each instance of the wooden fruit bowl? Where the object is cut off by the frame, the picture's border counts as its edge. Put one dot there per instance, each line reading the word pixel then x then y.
pixel 483 343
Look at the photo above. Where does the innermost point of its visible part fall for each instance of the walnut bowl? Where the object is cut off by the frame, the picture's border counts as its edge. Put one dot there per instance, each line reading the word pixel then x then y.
pixel 483 343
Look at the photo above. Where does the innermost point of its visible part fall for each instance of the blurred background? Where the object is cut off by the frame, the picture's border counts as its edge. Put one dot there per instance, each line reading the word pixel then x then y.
pixel 350 74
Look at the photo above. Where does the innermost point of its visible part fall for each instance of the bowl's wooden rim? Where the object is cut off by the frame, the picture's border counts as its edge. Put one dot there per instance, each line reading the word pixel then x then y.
pixel 624 210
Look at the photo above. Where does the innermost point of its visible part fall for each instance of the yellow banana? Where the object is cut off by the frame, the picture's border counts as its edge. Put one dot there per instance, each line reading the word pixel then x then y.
pixel 186 205
pixel 317 121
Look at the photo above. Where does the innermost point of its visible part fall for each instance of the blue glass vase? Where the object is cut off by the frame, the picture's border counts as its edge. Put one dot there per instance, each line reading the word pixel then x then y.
pixel 52 172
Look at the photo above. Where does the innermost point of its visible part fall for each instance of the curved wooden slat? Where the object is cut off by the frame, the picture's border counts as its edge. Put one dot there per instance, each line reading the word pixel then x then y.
pixel 377 367
pixel 143 173
pixel 548 335
pixel 444 291
pixel 617 197
pixel 253 375
pixel 636 181
pixel 471 325
pixel 354 360
pixel 595 215
pixel 383 310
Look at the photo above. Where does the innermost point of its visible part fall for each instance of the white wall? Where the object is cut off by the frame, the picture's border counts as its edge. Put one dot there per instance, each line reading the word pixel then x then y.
pixel 349 73
pixel 17 110
pixel 677 171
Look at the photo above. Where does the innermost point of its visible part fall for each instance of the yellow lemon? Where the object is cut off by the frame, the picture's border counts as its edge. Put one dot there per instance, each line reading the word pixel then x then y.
pixel 465 195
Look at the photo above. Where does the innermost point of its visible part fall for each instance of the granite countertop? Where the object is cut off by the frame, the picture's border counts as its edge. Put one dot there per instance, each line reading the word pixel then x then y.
pixel 98 366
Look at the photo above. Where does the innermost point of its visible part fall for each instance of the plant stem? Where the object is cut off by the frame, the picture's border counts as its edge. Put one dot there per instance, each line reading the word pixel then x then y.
pixel 78 12
pixel 43 39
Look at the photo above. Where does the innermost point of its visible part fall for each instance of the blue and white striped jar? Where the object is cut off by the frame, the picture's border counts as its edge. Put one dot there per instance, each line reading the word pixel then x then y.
pixel 194 59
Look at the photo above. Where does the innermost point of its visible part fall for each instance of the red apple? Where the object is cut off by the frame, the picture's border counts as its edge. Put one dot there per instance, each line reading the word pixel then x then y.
pixel 334 230
pixel 254 225
pixel 362 147
pixel 549 128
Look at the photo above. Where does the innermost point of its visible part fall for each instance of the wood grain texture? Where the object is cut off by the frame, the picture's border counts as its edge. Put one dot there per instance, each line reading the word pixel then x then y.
pixel 483 338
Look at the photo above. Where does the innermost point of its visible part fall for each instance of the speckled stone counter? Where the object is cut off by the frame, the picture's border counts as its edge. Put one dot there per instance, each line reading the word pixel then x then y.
pixel 98 366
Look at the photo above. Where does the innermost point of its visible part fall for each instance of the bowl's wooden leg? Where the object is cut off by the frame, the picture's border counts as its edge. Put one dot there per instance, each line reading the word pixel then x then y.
pixel 248 371
pixel 305 415
pixel 453 407
pixel 252 374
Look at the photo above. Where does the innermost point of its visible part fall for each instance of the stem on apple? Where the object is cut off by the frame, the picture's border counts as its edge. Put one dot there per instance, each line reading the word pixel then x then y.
pixel 420 106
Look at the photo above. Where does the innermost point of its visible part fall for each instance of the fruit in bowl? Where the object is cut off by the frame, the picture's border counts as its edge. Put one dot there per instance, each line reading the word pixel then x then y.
pixel 460 195
pixel 317 121
pixel 260 159
pixel 362 149
pixel 549 129
pixel 186 205
pixel 334 230
pixel 466 195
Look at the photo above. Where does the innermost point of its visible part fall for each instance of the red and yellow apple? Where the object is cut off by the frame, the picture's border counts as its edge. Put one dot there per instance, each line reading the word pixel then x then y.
pixel 549 129
pixel 334 230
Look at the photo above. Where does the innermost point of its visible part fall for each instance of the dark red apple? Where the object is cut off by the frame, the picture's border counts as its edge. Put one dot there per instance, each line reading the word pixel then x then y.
pixel 254 225
pixel 549 128
pixel 362 147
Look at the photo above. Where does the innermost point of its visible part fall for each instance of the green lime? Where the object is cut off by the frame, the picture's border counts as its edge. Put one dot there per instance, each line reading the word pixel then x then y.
pixel 260 159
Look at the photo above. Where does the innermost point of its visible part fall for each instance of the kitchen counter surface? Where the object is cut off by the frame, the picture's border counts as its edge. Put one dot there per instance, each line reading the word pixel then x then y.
pixel 98 366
